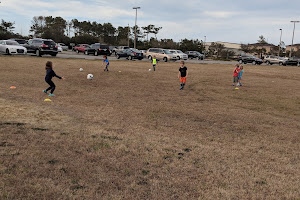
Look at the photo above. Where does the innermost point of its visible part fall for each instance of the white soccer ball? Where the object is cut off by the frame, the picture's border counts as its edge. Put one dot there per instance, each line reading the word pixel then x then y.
pixel 81 69
pixel 90 76
pixel 149 70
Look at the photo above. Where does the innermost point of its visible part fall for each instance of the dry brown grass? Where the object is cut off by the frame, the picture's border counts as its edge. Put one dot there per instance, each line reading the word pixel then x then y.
pixel 134 135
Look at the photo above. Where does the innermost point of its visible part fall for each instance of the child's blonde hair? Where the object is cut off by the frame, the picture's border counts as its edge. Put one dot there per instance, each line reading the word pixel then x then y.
pixel 182 62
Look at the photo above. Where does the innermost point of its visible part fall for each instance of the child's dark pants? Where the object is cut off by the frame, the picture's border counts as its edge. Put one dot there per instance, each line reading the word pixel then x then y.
pixel 52 86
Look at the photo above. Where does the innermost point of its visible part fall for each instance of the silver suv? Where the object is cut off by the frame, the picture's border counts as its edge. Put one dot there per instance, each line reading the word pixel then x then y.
pixel 270 60
pixel 160 54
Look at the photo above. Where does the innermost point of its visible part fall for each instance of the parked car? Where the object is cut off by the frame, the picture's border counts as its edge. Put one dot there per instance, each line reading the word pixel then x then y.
pixel 11 47
pixel 292 61
pixel 130 54
pixel 270 60
pixel 160 54
pixel 194 54
pixel 249 59
pixel 80 47
pixel 97 49
pixel 41 47
pixel 20 41
pixel 63 46
pixel 59 48
pixel 119 48
pixel 179 54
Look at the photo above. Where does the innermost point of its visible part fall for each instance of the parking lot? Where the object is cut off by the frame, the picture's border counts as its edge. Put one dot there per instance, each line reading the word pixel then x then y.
pixel 74 55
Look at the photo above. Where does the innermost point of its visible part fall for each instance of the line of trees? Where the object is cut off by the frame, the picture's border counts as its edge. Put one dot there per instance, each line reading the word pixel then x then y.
pixel 75 31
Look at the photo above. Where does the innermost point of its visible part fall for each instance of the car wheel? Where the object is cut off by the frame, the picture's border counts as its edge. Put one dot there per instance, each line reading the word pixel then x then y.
pixel 298 65
pixel 129 57
pixel 191 57
pixel 178 57
pixel 7 52
pixel 241 61
pixel 54 54
pixel 77 51
pixel 165 59
pixel 280 63
pixel 253 63
pixel 38 53
pixel 96 53
pixel 118 56
pixel 86 53
pixel 150 57
pixel 268 63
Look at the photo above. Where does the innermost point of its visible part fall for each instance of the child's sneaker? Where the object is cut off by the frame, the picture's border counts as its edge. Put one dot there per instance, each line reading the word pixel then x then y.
pixel 51 95
pixel 45 91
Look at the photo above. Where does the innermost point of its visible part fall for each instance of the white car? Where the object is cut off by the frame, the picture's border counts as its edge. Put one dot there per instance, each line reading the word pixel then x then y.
pixel 11 47
pixel 179 54
pixel 59 48
pixel 63 46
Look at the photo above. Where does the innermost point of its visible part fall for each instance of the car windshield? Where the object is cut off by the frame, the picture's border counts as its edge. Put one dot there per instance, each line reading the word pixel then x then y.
pixel 49 43
pixel 135 50
pixel 167 51
pixel 12 43
pixel 21 41
pixel 179 51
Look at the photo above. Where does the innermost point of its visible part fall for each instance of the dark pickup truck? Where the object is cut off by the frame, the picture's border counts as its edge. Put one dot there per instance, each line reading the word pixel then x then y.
pixel 41 47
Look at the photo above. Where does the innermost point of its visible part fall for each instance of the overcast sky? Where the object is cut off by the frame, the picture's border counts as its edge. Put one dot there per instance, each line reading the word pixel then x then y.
pixel 237 21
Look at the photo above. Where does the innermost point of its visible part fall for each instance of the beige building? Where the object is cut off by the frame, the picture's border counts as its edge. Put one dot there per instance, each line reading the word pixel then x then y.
pixel 269 47
pixel 236 48
pixel 295 47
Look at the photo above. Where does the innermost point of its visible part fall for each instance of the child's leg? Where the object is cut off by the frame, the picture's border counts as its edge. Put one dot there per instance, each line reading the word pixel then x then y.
pixel 154 67
pixel 53 88
pixel 183 82
pixel 51 85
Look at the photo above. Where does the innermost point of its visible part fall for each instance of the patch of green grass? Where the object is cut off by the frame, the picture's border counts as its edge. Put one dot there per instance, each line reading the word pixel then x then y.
pixel 52 162
pixel 40 129
pixel 262 182
pixel 145 172
pixel 63 170
pixel 13 123
pixel 110 138
pixel 100 145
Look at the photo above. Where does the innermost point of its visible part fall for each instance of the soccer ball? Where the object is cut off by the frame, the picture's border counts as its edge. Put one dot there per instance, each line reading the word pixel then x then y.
pixel 149 70
pixel 90 76
pixel 81 69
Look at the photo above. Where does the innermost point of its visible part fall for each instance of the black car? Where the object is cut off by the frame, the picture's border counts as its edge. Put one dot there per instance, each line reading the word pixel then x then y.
pixel 194 54
pixel 130 54
pixel 249 59
pixel 292 61
pixel 97 49
pixel 41 47
pixel 20 41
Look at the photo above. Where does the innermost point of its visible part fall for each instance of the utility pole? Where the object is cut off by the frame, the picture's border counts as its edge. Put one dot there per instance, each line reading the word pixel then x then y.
pixel 128 35
pixel 293 37
pixel 280 42
pixel 136 8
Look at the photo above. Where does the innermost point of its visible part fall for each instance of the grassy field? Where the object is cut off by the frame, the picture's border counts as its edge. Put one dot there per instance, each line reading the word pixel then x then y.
pixel 134 135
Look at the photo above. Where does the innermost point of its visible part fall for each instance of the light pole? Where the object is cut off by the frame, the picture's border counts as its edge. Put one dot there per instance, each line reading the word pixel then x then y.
pixel 280 42
pixel 136 8
pixel 293 36
pixel 204 45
